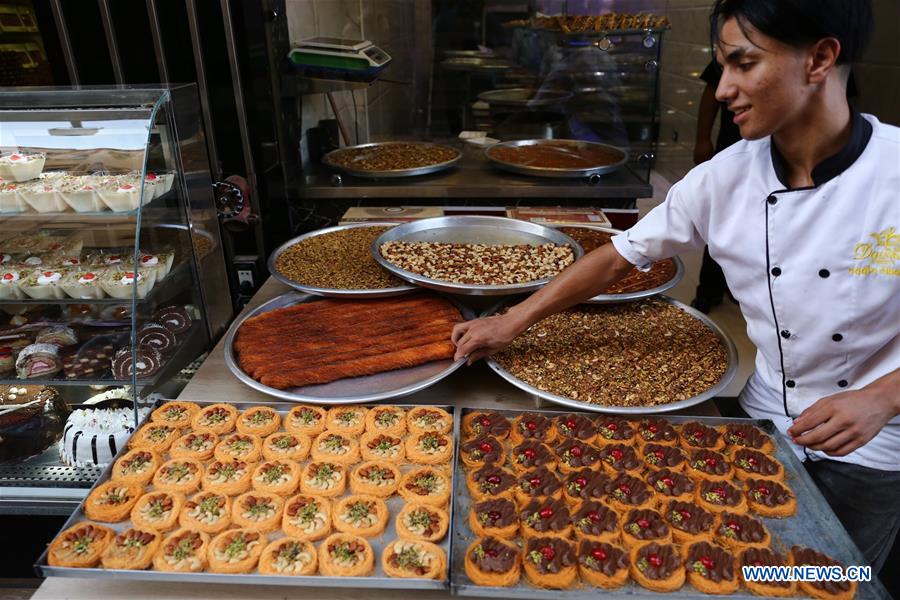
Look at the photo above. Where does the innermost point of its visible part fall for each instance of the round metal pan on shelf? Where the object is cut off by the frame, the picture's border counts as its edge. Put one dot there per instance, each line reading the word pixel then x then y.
pixel 568 173
pixel 355 390
pixel 328 160
pixel 468 63
pixel 712 392
pixel 467 54
pixel 401 288
pixel 471 230
pixel 637 295
pixel 524 97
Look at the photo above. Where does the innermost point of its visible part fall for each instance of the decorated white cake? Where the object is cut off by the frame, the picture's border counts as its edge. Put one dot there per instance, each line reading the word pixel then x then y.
pixel 93 437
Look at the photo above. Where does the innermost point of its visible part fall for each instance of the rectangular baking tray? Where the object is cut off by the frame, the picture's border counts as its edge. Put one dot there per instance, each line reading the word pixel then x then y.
pixel 379 580
pixel 814 525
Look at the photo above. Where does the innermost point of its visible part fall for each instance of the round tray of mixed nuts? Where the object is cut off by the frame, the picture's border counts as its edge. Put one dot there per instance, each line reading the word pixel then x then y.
pixel 392 159
pixel 336 262
pixel 475 256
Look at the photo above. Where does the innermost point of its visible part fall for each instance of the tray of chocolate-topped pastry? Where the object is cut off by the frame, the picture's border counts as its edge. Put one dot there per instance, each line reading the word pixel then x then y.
pixel 569 505
pixel 284 494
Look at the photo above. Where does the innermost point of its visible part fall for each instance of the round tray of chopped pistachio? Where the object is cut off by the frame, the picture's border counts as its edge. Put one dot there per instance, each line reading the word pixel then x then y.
pixel 337 262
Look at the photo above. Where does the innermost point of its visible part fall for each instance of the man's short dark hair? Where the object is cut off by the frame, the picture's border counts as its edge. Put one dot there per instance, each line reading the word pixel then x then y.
pixel 800 23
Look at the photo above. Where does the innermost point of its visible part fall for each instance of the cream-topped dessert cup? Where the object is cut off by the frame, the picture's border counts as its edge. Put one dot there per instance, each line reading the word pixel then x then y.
pixel 43 196
pixel 10 199
pixel 22 166
pixel 121 197
pixel 43 284
pixel 119 283
pixel 80 193
pixel 84 284
pixel 10 283
pixel 160 262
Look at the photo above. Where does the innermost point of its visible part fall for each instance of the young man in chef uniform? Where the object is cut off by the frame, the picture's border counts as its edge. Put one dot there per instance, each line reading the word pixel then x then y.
pixel 803 215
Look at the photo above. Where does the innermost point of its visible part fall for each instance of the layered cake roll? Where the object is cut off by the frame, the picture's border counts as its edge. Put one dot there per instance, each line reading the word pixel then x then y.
pixel 770 498
pixel 602 564
pixel 482 450
pixel 80 546
pixel 426 485
pixel 307 517
pixel 670 485
pixel 58 335
pixel 486 422
pixel 227 477
pixel 645 525
pixel 330 446
pixel 532 454
pixel 182 475
pixel 258 511
pixel 697 436
pixel 215 418
pixel 359 514
pixel 596 522
pixel 289 556
pixel 239 446
pixel 43 284
pixel 136 466
pixel 133 549
pixel 739 532
pixel 688 522
pixel 157 511
pixel 429 448
pixel 174 318
pixel 550 562
pixel 532 427
pixel 346 555
pixel 493 562
pixel 209 512
pixel 91 361
pixel 491 482
pixel 413 559
pixel 657 567
pixel 766 557
pixel 375 478
pixel 576 427
pixel 22 166
pixel 574 454
pixel 545 518
pixel 347 420
pixel 280 477
pixel 535 484
pixel 259 420
pixel 236 551
pixel 183 551
pixel 711 569
pixel 422 522
pixel 112 501
pixel 428 419
pixel 7 360
pixel 386 419
pixel 286 446
pixel 175 413
pixel 199 446
pixel 38 361
pixel 496 518
pixel 326 479
pixel 146 362
pixel 710 465
pixel 825 590
pixel 154 335
pixel 306 420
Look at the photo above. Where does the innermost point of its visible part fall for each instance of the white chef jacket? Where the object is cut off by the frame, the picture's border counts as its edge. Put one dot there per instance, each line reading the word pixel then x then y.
pixel 816 270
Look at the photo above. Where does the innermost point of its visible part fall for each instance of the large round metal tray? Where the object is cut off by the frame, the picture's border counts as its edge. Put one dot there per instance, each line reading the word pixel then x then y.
pixel 468 63
pixel 370 388
pixel 552 172
pixel 730 371
pixel 403 288
pixel 629 296
pixel 524 97
pixel 471 230
pixel 391 173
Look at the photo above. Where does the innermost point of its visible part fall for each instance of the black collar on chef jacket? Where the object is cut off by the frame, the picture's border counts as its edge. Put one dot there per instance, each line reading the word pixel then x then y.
pixel 834 165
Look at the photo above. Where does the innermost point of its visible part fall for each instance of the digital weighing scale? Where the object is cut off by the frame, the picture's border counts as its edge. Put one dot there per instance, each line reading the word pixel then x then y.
pixel 339 58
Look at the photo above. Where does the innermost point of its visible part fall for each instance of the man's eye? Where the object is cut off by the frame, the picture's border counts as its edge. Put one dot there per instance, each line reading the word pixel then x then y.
pixel 745 66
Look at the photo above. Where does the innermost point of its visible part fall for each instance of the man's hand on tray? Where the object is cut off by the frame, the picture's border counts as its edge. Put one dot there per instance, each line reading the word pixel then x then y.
pixel 483 337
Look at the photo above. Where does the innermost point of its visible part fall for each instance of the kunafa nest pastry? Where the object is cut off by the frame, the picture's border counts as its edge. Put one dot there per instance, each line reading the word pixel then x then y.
pixel 132 549
pixel 236 551
pixel 381 447
pixel 175 413
pixel 413 559
pixel 493 562
pixel 770 498
pixel 615 430
pixel 657 431
pixel 110 502
pixel 495 518
pixel 740 435
pixel 80 546
pixel 335 447
pixel 657 567
pixel 136 466
pixel 257 511
pixel 230 477
pixel 346 420
pixel 710 568
pixel 697 436
pixel 537 483
pixel 359 514
pixel 426 485
pixel 595 521
pixel 602 564
pixel 485 422
pixel 491 482
pixel 550 562
pixel 661 456
pixel 306 420
pixel 154 436
pixel 429 448
pixel 183 551
pixel 346 555
pixel 574 454
pixel 289 556
pixel 307 517
pixel 198 446
pixel 721 496
pixel 209 512
pixel 751 464
pixel 741 531
pixel 545 518
pixel 215 418
pixel 482 450
pixel 532 427
pixel 386 419
pixel 585 485
pixel 688 522
pixel 239 446
pixel 182 475
pixel 157 511
pixel 422 522
pixel 280 477
pixel 670 485
pixel 428 418
pixel 766 557
pixel 259 420
pixel 710 465
pixel 620 458
pixel 626 492
pixel 575 427
pixel 825 590
pixel 644 525
pixel 375 478
pixel 531 454
pixel 286 446
pixel 326 479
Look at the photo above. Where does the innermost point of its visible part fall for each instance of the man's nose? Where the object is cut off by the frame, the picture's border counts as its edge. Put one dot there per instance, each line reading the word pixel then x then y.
pixel 726 90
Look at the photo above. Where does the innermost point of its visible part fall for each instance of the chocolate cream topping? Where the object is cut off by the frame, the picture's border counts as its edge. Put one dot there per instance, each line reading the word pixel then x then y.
pixel 494 556
pixel 484 448
pixel 546 515
pixel 720 492
pixel 490 423
pixel 699 435
pixel 768 493
pixel 629 490
pixel 656 430
pixel 586 483
pixel 575 426
pixel 745 435
pixel 752 461
pixel 688 517
pixel 742 528
pixel 498 512
pixel 657 561
pixel 576 453
pixel 533 426
pixel 646 524
pixel 620 457
pixel 492 479
pixel 808 556
pixel 709 461
pixel 594 518
pixel 712 562
pixel 539 482
pixel 531 454
pixel 764 557
pixel 602 557
pixel 614 430
pixel 662 456
pixel 550 554
pixel 669 483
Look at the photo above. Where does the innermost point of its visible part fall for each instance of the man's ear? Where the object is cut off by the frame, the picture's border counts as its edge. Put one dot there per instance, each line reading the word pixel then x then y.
pixel 823 56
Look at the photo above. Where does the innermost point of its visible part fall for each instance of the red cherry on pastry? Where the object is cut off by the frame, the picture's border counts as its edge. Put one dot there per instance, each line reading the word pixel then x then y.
pixel 762 490
pixel 570 424
pixel 48 273
pixel 546 512
pixel 652 428
pixel 612 426
pixel 752 461
pixel 668 481
pixel 734 526
pixel 697 433
pixel 707 562
pixel 643 523
pixel 494 479
pixel 485 422
pixel 739 433
pixel 485 447
pixel 598 553
pixel 711 462
pixel 535 481
pixel 685 514
pixel 88 276
pixel 491 552
pixel 494 515
pixel 548 552
pixel 580 481
pixel 529 453
pixel 720 492
pixel 625 489
pixel 531 425
pixel 7 276
pixel 659 454
pixel 575 451
pixel 654 560
pixel 593 516
pixel 617 454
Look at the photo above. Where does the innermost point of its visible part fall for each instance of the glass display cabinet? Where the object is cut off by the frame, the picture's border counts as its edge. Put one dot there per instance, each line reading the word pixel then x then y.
pixel 112 276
